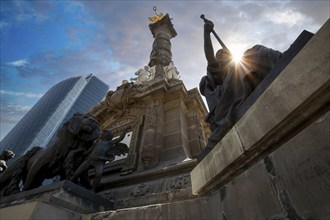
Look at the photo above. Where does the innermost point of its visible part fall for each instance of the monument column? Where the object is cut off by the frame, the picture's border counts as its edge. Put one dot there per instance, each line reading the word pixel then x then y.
pixel 161 54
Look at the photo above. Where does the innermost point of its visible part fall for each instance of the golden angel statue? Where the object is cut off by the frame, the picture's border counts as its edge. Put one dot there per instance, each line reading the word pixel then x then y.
pixel 156 18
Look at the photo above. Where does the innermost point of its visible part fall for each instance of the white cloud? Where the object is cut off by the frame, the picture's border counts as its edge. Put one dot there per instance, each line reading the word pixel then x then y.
pixel 288 17
pixel 28 94
pixel 4 25
pixel 12 112
pixel 20 108
pixel 19 63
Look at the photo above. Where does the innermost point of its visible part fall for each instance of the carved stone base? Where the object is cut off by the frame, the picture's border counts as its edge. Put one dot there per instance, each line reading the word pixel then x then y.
pixel 169 183
pixel 61 200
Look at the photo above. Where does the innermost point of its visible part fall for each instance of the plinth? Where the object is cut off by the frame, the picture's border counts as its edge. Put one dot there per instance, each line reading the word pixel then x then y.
pixel 61 200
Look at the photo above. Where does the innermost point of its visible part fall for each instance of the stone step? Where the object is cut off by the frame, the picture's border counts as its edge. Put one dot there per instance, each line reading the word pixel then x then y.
pixel 200 208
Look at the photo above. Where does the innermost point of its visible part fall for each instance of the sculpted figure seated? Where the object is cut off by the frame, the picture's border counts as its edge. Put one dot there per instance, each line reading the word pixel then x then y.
pixel 227 85
pixel 102 151
pixel 39 164
pixel 144 75
pixel 171 71
pixel 4 157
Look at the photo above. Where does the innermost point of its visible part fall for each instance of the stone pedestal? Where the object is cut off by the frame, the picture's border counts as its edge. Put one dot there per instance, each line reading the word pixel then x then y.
pixel 166 121
pixel 61 200
pixel 168 131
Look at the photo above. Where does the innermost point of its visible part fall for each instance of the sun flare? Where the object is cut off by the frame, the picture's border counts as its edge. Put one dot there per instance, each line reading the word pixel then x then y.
pixel 237 54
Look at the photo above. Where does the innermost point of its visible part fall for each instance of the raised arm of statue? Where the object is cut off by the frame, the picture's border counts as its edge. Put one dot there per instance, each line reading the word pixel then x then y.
pixel 208 47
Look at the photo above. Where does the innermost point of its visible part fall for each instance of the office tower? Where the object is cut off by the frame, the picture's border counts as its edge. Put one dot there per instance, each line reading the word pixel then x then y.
pixel 40 124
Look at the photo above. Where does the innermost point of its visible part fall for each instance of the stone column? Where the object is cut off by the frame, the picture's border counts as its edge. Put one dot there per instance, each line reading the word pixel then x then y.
pixel 161 54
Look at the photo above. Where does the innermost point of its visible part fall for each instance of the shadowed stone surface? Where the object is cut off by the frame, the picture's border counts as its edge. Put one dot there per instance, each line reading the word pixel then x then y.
pixel 64 193
pixel 61 200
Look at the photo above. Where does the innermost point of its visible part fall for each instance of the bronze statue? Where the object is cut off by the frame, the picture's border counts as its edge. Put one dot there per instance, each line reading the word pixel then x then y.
pixel 156 18
pixel 102 151
pixel 227 84
pixel 39 164
pixel 4 157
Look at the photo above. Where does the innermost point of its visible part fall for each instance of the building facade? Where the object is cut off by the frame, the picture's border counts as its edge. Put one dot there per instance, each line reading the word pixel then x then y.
pixel 40 124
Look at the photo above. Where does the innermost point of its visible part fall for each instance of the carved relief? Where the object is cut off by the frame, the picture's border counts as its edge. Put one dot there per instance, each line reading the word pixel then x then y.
pixel 140 190
pixel 152 114
pixel 119 100
pixel 117 104
pixel 161 49
pixel 161 54
pixel 179 182
pixel 131 116
pixel 152 139
pixel 199 128
pixel 196 134
pixel 111 195
pixel 172 104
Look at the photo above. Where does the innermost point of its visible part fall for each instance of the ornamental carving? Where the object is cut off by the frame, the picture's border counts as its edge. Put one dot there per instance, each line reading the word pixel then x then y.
pixel 153 135
pixel 111 195
pixel 120 99
pixel 152 114
pixel 179 182
pixel 140 190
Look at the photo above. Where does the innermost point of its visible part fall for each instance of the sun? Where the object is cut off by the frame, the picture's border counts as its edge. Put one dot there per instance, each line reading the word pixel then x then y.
pixel 237 54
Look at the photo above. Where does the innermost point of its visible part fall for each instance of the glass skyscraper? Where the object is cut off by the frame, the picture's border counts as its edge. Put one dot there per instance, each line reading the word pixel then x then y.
pixel 40 124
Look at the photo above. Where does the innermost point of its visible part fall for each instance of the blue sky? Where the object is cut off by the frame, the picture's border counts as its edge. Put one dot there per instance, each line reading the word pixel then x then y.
pixel 44 42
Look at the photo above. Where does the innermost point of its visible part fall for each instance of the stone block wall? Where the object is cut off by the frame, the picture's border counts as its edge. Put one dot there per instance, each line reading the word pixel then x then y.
pixel 291 183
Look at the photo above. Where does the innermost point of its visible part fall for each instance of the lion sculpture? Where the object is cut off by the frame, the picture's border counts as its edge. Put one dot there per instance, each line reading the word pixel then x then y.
pixel 4 157
pixel 76 136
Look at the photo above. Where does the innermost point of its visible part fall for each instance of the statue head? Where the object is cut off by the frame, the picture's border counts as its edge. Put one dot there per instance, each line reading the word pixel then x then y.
pixel 8 154
pixel 84 126
pixel 223 55
pixel 224 59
